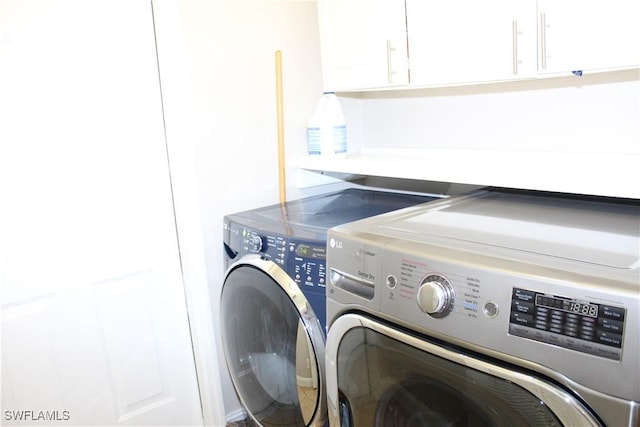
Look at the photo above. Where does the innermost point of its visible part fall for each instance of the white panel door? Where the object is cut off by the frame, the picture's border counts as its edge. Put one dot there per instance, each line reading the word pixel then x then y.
pixel 364 43
pixel 464 41
pixel 94 320
pixel 579 35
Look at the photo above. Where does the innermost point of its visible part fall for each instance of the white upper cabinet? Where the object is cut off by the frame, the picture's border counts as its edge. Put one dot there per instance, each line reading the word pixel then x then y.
pixel 364 44
pixel 372 44
pixel 462 41
pixel 578 35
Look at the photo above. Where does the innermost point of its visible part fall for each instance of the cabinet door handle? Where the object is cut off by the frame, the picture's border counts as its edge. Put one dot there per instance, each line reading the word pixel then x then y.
pixel 514 35
pixel 543 41
pixel 389 67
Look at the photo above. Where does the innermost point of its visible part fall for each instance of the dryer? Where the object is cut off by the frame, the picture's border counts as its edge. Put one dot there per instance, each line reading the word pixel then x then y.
pixel 491 309
pixel 273 300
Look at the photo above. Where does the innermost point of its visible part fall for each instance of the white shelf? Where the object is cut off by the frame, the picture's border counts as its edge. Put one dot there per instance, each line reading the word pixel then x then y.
pixel 600 174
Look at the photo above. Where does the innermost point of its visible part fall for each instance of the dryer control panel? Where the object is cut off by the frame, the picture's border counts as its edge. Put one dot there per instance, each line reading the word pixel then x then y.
pixel 303 260
pixel 575 324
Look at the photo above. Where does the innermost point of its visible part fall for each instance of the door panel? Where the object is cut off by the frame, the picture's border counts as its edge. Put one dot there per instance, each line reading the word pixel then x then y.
pixel 382 376
pixel 124 306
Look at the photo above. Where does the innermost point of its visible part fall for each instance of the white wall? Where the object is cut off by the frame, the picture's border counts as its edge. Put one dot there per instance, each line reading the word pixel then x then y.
pixel 230 68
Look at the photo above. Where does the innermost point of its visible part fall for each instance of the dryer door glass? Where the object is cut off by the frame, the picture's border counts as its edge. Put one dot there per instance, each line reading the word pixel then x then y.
pixel 385 382
pixel 272 359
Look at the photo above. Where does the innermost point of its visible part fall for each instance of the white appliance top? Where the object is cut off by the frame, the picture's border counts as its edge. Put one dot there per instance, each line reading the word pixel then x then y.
pixel 586 230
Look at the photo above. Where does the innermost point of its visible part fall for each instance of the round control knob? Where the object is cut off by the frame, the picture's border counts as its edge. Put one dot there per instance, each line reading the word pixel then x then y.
pixel 435 296
pixel 256 244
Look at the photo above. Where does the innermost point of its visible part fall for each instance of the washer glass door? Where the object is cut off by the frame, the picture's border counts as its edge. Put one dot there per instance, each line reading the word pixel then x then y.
pixel 273 345
pixel 385 377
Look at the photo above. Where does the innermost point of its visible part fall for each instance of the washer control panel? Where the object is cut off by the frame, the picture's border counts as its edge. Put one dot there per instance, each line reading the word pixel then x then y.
pixel 303 260
pixel 575 324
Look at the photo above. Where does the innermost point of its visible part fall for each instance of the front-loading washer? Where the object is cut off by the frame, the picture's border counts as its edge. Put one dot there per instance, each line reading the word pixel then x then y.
pixel 498 308
pixel 273 300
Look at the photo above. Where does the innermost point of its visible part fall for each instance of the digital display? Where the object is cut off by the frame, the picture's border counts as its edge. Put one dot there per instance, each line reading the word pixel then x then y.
pixel 309 251
pixel 576 307
pixel 584 309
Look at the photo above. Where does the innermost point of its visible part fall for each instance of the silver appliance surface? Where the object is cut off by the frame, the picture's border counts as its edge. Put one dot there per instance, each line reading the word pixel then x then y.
pixel 549 284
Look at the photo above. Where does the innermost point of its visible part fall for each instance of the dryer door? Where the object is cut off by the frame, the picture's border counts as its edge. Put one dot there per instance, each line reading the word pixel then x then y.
pixel 381 376
pixel 273 345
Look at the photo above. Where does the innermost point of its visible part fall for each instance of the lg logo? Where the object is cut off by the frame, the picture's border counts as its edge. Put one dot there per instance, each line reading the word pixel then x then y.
pixel 335 244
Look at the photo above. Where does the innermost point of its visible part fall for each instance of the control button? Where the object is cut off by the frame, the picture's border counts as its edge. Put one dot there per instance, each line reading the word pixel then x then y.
pixel 555 323
pixel 541 324
pixel 257 244
pixel 542 314
pixel 587 328
pixel 522 295
pixel 615 313
pixel 523 307
pixel 571 329
pixel 572 319
pixel 392 282
pixel 611 325
pixel 557 316
pixel 490 309
pixel 522 319
pixel 614 340
pixel 435 296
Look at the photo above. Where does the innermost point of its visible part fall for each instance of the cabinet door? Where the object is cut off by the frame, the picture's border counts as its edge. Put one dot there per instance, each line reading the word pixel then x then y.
pixel 594 35
pixel 462 41
pixel 364 43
